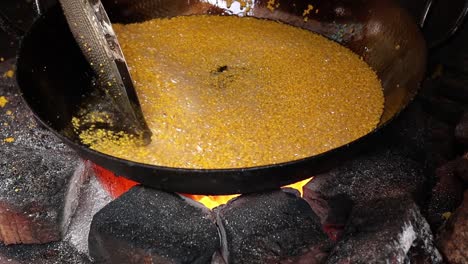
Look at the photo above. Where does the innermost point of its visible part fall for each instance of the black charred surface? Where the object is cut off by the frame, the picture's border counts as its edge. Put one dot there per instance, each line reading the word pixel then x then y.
pixel 37 172
pixel 382 173
pixel 149 226
pixel 376 174
pixel 389 230
pixel 271 227
pixel 52 253
pixel 422 137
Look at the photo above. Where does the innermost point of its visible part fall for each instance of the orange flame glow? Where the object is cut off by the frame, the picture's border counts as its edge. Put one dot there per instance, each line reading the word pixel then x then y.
pixel 117 186
pixel 212 201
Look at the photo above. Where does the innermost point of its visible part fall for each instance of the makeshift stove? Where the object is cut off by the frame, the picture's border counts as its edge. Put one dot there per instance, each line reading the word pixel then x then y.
pixel 396 203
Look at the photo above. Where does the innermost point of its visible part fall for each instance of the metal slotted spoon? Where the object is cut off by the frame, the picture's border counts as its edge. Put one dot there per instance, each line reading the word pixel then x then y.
pixel 92 30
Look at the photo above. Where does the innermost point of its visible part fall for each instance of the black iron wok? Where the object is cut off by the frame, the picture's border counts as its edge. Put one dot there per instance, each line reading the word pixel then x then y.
pixel 55 79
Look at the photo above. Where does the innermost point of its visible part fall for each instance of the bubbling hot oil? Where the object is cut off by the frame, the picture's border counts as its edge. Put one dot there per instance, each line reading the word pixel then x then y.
pixel 230 92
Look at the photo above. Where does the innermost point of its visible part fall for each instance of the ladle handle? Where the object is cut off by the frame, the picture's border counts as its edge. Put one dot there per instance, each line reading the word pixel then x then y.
pixel 452 30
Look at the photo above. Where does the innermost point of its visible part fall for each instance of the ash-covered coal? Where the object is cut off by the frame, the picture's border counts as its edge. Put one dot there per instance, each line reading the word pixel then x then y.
pixel 93 199
pixel 40 177
pixel 376 174
pixel 51 253
pixel 389 230
pixel 271 227
pixel 18 123
pixel 149 226
pixel 422 137
pixel 38 194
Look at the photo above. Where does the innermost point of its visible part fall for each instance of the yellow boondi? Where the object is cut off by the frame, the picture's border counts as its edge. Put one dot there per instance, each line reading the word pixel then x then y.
pixel 3 101
pixel 9 140
pixel 230 92
pixel 9 74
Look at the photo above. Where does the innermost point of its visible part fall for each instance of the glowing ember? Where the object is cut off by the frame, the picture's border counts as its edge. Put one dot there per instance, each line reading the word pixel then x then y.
pixel 212 201
pixel 117 186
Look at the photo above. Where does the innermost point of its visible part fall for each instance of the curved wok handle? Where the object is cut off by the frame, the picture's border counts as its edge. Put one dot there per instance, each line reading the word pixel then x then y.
pixel 452 30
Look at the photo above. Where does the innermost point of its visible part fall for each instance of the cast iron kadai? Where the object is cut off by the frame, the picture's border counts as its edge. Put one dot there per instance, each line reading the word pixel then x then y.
pixel 55 79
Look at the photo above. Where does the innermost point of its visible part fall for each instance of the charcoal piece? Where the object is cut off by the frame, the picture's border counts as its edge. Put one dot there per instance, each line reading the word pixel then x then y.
pixel 446 195
pixel 333 211
pixel 93 198
pixel 389 230
pixel 462 168
pixel 270 227
pixel 422 137
pixel 311 255
pixel 38 193
pixel 145 225
pixel 18 124
pixel 40 177
pixel 376 174
pixel 51 253
pixel 461 130
pixel 453 238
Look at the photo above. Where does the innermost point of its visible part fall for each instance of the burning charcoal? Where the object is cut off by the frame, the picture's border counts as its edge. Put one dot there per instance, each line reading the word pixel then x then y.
pixel 52 253
pixel 40 177
pixel 149 226
pixel 446 195
pixel 422 137
pixel 333 211
pixel 377 174
pixel 462 168
pixel 453 239
pixel 461 131
pixel 93 199
pixel 272 227
pixel 389 230
pixel 38 194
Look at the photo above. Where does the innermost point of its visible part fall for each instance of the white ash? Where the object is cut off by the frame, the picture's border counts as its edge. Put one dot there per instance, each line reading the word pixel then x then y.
pixel 406 239
pixel 93 199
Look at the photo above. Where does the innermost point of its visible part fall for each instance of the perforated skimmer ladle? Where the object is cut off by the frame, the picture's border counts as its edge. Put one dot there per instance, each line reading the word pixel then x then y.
pixel 92 30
